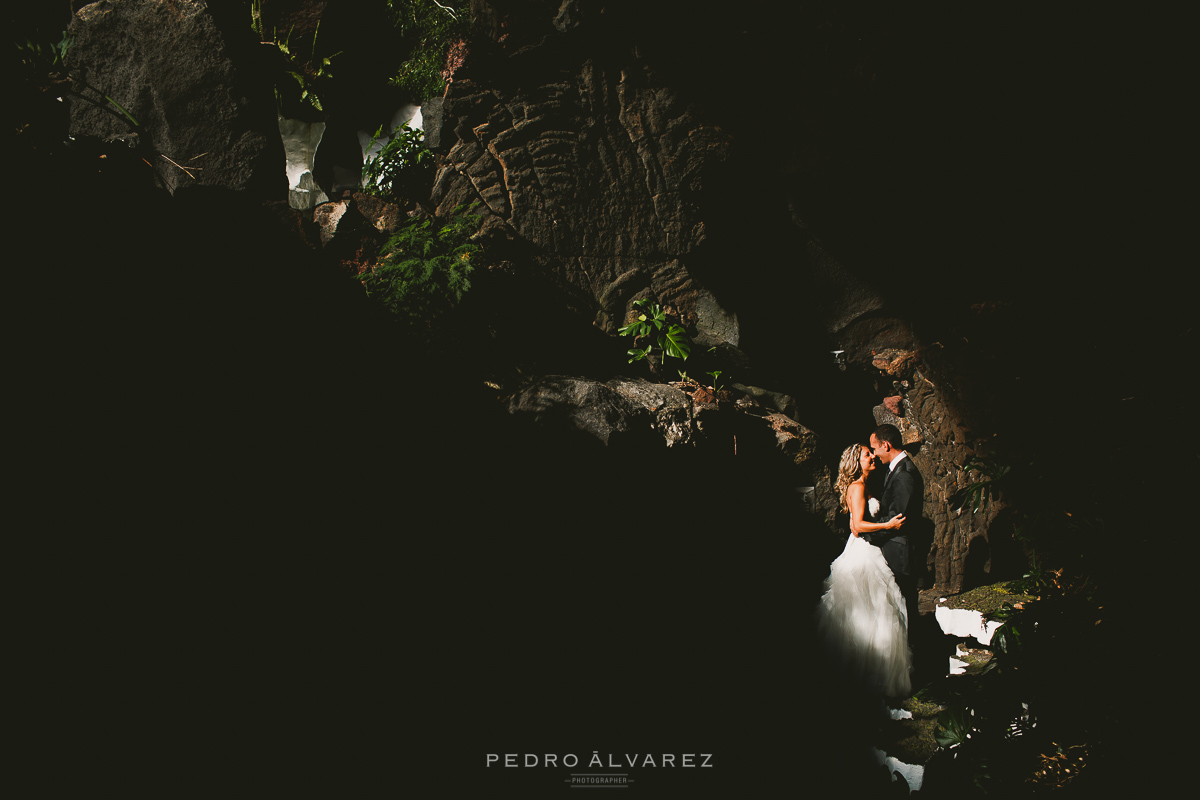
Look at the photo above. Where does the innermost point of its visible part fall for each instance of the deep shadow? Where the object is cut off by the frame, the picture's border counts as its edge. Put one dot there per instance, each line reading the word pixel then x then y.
pixel 345 538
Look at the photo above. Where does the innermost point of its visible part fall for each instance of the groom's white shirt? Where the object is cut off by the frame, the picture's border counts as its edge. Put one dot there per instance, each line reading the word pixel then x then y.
pixel 892 464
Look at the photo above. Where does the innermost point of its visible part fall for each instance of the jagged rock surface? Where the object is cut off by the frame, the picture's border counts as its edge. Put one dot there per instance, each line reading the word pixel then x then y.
pixel 201 120
pixel 638 416
pixel 938 444
pixel 598 170
pixel 601 180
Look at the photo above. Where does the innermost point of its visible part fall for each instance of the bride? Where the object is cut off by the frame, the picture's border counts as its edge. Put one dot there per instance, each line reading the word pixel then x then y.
pixel 862 621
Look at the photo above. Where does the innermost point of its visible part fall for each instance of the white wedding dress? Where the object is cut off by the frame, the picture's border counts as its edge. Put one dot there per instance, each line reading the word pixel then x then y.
pixel 862 622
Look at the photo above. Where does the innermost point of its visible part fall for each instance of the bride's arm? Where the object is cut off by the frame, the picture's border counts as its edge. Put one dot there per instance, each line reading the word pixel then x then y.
pixel 857 500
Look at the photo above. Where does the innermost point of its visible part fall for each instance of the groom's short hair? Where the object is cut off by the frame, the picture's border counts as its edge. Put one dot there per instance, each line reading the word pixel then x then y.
pixel 891 435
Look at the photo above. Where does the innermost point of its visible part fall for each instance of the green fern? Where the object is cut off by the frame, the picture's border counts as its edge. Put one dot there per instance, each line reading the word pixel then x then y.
pixel 425 269
pixel 427 28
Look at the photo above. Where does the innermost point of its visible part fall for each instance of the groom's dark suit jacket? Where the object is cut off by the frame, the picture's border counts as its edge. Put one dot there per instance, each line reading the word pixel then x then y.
pixel 903 493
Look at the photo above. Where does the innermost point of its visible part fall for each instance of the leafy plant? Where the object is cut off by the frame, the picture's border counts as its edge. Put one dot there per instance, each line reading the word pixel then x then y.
pixel 48 57
pixel 122 109
pixel 652 323
pixel 716 376
pixel 256 23
pixel 309 74
pixel 1030 697
pixel 1007 641
pixel 952 729
pixel 428 29
pixel 403 165
pixel 425 269
pixel 1038 578
pixel 49 62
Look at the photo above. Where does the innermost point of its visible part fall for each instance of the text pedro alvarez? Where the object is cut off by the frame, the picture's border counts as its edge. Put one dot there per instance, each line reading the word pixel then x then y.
pixel 614 761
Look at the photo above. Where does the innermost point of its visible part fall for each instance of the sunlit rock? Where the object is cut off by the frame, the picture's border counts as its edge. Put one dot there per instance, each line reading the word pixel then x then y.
pixel 913 774
pixel 965 622
pixel 168 72
pixel 300 142
pixel 714 324
pixel 327 216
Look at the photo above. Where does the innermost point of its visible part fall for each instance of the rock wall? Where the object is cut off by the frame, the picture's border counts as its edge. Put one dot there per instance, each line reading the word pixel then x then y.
pixel 197 119
pixel 639 420
pixel 612 178
pixel 596 171
pixel 952 542
pixel 606 174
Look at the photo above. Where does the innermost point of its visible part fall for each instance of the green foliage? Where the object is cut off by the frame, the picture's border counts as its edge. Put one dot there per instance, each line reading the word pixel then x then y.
pixel 1032 695
pixel 425 269
pixel 1032 705
pixel 256 23
pixel 47 58
pixel 47 63
pixel 716 386
pixel 402 168
pixel 952 728
pixel 653 327
pixel 121 108
pixel 427 28
pixel 1056 533
pixel 425 31
pixel 1038 578
pixel 308 74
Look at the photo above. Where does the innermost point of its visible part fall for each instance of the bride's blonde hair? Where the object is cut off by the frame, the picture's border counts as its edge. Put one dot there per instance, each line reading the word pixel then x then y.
pixel 849 470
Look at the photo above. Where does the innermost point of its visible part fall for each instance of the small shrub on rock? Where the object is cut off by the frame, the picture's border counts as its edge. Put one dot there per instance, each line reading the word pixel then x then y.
pixel 425 269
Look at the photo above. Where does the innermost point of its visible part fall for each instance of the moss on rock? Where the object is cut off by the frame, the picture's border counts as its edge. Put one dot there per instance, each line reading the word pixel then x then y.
pixel 987 598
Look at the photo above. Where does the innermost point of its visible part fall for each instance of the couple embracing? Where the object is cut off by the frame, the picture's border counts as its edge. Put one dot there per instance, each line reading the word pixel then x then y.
pixel 863 617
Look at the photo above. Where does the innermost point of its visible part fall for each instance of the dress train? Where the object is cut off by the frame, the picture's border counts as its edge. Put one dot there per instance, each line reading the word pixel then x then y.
pixel 862 621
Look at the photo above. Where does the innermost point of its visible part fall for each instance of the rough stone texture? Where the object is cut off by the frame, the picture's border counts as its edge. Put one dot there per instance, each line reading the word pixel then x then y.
pixel 598 170
pixel 670 409
pixel 802 447
pixel 384 216
pixel 327 216
pixel 854 313
pixel 354 229
pixel 783 403
pixel 167 64
pixel 602 178
pixel 626 411
pixel 608 177
pixel 893 361
pixel 432 119
pixel 909 431
pixel 581 405
pixel 937 443
pixel 794 439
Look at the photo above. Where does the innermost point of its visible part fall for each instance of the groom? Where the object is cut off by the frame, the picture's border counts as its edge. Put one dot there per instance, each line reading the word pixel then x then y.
pixel 903 493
